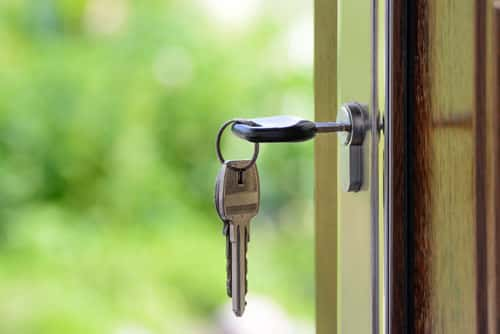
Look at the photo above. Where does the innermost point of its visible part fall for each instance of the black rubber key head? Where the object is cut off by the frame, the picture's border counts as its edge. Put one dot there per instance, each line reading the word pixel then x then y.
pixel 276 129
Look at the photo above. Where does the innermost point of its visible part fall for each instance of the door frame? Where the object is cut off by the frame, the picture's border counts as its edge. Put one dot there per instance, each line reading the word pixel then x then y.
pixel 407 22
pixel 325 147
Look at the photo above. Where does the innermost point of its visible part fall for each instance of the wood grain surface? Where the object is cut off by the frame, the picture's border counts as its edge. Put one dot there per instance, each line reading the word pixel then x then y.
pixel 493 177
pixel 396 168
pixel 444 263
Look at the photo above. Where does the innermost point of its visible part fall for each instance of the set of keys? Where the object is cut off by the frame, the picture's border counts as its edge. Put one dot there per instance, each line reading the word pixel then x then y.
pixel 237 186
pixel 237 196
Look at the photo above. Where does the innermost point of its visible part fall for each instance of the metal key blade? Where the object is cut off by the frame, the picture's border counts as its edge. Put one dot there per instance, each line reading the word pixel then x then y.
pixel 239 203
pixel 219 184
pixel 229 264
pixel 238 237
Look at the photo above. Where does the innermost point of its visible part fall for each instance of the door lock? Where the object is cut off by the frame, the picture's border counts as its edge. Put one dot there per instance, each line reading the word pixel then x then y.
pixel 351 125
pixel 237 189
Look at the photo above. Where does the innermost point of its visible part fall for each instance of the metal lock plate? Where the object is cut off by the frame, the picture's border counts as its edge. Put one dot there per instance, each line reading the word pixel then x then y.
pixel 351 145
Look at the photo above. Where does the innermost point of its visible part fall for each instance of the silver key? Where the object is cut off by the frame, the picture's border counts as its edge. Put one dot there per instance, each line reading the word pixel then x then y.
pixel 225 228
pixel 239 202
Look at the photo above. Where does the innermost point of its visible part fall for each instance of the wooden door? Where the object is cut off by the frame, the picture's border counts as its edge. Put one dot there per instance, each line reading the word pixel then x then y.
pixel 441 168
pixel 443 184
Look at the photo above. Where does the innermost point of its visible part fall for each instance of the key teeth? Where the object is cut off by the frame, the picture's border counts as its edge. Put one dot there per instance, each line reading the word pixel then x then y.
pixel 229 283
pixel 246 261
pixel 228 265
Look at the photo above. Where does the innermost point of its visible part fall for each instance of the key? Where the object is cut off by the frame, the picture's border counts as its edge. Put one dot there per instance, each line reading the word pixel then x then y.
pixel 225 229
pixel 239 194
pixel 282 129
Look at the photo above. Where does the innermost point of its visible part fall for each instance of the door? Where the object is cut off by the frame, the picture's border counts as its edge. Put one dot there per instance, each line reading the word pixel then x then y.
pixel 416 250
pixel 350 299
pixel 443 167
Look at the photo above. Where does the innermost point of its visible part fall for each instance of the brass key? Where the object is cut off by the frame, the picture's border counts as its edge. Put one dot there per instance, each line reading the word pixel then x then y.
pixel 238 203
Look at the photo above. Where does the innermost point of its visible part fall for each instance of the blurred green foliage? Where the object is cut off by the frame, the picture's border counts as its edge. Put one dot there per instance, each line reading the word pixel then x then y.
pixel 108 113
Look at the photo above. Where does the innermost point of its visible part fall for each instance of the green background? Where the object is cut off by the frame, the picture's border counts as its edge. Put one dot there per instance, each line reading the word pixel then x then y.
pixel 108 116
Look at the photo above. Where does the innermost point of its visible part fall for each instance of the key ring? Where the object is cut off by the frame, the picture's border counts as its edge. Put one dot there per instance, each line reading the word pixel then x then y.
pixel 219 152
